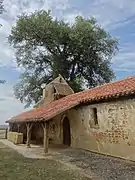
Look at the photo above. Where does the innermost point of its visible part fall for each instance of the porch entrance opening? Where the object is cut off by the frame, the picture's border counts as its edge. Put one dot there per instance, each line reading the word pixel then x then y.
pixel 66 132
pixel 37 134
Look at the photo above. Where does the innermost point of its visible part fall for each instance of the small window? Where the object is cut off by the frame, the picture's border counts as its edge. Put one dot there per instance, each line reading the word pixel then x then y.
pixel 54 90
pixel 93 122
pixel 95 116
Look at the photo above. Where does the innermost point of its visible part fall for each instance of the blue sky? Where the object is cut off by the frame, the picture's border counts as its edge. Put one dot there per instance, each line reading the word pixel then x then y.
pixel 117 17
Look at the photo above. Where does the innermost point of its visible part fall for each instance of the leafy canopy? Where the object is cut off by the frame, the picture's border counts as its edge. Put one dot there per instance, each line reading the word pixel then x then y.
pixel 45 47
pixel 1 7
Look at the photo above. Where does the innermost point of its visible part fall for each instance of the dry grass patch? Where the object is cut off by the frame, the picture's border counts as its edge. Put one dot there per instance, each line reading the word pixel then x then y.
pixel 15 166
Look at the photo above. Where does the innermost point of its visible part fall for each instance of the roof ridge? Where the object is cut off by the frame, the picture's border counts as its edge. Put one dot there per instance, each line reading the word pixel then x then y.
pixel 130 77
pixel 111 90
pixel 103 85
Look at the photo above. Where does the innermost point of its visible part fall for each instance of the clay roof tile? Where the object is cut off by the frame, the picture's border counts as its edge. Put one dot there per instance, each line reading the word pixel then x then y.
pixel 107 91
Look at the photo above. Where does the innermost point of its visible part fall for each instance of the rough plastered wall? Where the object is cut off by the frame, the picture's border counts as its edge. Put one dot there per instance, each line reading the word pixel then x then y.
pixel 115 133
pixel 23 129
pixel 55 130
pixel 48 94
pixel 37 133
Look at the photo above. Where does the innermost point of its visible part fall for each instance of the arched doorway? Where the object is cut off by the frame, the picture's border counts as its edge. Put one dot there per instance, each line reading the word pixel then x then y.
pixel 66 132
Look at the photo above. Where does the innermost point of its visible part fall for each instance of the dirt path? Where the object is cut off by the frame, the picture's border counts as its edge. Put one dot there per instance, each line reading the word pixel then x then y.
pixel 92 165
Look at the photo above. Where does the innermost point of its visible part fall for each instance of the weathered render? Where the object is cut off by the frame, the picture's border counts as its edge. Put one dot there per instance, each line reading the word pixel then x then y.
pixel 55 90
pixel 113 135
pixel 54 131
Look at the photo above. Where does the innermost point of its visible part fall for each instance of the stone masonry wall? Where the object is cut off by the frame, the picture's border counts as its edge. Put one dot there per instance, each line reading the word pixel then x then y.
pixel 48 94
pixel 115 133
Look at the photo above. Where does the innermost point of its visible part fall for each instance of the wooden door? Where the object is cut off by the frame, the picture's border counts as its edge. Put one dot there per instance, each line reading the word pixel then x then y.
pixel 66 132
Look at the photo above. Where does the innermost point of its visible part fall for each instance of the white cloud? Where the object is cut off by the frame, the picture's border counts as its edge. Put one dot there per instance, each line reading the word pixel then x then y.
pixel 110 13
pixel 71 17
pixel 125 60
pixel 9 106
pixel 13 9
pixel 58 4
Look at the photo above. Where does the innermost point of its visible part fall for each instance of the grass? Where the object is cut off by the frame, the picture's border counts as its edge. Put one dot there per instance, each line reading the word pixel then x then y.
pixel 15 166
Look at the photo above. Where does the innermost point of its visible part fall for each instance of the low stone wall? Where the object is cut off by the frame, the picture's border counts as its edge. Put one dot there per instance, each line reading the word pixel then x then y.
pixel 15 137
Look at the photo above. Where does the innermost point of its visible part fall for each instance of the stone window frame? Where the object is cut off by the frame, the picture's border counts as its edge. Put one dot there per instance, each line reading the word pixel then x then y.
pixel 94 123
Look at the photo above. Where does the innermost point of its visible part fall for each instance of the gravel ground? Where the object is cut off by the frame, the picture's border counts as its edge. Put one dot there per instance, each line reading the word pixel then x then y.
pixel 97 166
pixel 104 167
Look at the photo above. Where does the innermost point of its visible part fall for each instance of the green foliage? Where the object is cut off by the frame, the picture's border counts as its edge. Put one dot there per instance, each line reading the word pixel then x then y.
pixel 46 47
pixel 1 7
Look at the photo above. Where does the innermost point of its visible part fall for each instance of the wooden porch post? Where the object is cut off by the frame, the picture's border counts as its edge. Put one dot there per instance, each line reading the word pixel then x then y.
pixel 6 131
pixel 29 127
pixel 18 125
pixel 45 126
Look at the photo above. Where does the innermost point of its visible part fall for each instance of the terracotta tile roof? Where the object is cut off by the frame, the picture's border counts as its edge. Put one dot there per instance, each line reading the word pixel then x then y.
pixel 107 91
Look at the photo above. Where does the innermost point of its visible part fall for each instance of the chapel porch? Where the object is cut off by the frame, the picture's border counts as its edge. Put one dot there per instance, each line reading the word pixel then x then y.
pixel 46 135
pixel 35 151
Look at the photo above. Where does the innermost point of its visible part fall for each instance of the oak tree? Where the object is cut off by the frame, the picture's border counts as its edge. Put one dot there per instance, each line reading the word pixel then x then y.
pixel 45 47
